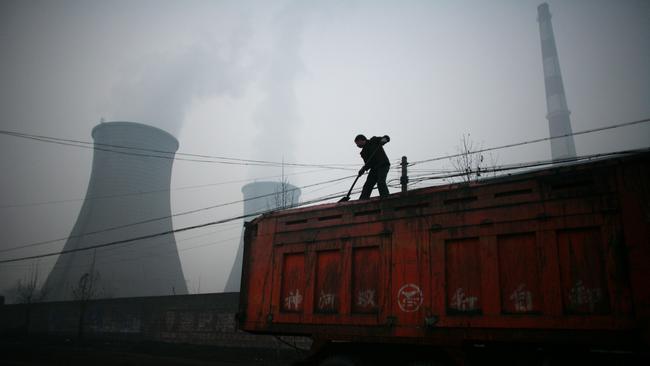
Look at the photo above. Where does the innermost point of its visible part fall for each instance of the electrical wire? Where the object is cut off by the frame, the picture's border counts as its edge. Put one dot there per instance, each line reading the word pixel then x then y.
pixel 535 141
pixel 419 179
pixel 327 197
pixel 157 191
pixel 171 155
pixel 149 236
pixel 168 253
pixel 168 232
pixel 178 247
pixel 109 255
pixel 166 217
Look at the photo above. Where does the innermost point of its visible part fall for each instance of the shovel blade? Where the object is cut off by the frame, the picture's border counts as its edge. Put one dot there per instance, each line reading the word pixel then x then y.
pixel 345 199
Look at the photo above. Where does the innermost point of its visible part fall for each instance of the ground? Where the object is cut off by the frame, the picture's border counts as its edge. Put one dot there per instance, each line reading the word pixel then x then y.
pixel 23 351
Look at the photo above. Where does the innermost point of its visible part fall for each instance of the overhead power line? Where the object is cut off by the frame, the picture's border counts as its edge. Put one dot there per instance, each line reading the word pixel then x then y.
pixel 328 197
pixel 324 198
pixel 503 168
pixel 156 191
pixel 164 154
pixel 168 232
pixel 535 141
pixel 124 240
pixel 109 256
pixel 167 217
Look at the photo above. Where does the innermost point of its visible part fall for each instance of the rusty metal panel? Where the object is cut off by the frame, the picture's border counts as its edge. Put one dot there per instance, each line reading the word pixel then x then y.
pixel 328 282
pixel 463 276
pixel 365 280
pixel 536 255
pixel 519 274
pixel 584 289
pixel 293 282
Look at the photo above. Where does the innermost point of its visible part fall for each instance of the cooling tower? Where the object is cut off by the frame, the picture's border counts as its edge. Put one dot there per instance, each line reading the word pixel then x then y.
pixel 260 197
pixel 559 123
pixel 128 184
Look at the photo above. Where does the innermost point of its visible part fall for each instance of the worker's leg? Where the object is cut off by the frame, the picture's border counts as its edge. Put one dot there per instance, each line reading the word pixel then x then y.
pixel 382 173
pixel 369 185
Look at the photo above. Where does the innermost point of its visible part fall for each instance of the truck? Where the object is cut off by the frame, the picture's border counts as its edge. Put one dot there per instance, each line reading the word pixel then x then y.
pixel 548 266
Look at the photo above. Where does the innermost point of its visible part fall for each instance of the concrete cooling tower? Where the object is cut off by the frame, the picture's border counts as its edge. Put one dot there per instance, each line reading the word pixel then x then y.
pixel 260 197
pixel 129 183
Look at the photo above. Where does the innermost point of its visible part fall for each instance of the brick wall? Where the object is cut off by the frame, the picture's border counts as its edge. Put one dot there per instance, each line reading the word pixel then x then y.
pixel 206 319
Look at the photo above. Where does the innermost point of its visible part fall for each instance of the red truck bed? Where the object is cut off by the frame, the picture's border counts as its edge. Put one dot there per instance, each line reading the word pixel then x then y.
pixel 554 255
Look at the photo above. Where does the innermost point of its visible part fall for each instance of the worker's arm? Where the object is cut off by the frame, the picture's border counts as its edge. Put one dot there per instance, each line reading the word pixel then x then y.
pixel 379 140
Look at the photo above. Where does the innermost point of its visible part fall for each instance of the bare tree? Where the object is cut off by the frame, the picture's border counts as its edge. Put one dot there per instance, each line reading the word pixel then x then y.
pixel 26 290
pixel 469 163
pixel 87 288
pixel 284 196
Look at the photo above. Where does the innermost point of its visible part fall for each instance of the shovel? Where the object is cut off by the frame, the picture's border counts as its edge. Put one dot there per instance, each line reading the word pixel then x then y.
pixel 347 197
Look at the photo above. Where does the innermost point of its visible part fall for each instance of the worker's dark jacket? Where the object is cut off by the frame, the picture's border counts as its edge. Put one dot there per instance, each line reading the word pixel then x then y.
pixel 373 153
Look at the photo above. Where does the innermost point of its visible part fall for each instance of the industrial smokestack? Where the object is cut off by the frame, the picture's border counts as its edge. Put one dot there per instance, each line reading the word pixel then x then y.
pixel 260 197
pixel 559 123
pixel 129 183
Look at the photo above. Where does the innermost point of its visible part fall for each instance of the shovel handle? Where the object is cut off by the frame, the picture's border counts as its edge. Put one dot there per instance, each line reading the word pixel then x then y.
pixel 355 182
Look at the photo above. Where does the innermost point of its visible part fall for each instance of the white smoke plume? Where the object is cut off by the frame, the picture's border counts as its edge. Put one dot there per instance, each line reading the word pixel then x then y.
pixel 276 116
pixel 162 87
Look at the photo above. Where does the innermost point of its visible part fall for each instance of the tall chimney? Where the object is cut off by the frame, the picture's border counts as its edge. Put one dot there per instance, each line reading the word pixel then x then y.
pixel 559 123
pixel 260 197
pixel 127 185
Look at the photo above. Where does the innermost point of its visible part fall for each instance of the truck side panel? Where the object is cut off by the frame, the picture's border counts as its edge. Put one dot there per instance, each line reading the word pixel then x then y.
pixel 556 253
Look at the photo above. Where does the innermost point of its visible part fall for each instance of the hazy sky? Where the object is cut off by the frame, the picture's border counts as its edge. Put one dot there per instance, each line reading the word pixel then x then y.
pixel 292 81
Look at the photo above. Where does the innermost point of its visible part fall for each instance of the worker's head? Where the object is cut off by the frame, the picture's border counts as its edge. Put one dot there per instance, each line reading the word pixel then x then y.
pixel 360 140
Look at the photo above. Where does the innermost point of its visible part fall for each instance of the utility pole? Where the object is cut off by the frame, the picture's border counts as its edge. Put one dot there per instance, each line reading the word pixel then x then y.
pixel 284 187
pixel 404 179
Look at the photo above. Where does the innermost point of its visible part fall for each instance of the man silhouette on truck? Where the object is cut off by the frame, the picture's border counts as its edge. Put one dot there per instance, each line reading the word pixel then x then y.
pixel 375 160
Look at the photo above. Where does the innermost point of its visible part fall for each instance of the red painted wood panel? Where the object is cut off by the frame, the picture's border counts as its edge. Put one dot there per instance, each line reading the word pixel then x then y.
pixel 519 274
pixel 293 283
pixel 365 280
pixel 327 298
pixel 463 276
pixel 584 289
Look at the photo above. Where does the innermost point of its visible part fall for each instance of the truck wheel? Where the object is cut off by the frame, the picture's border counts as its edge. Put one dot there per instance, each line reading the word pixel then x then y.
pixel 338 360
